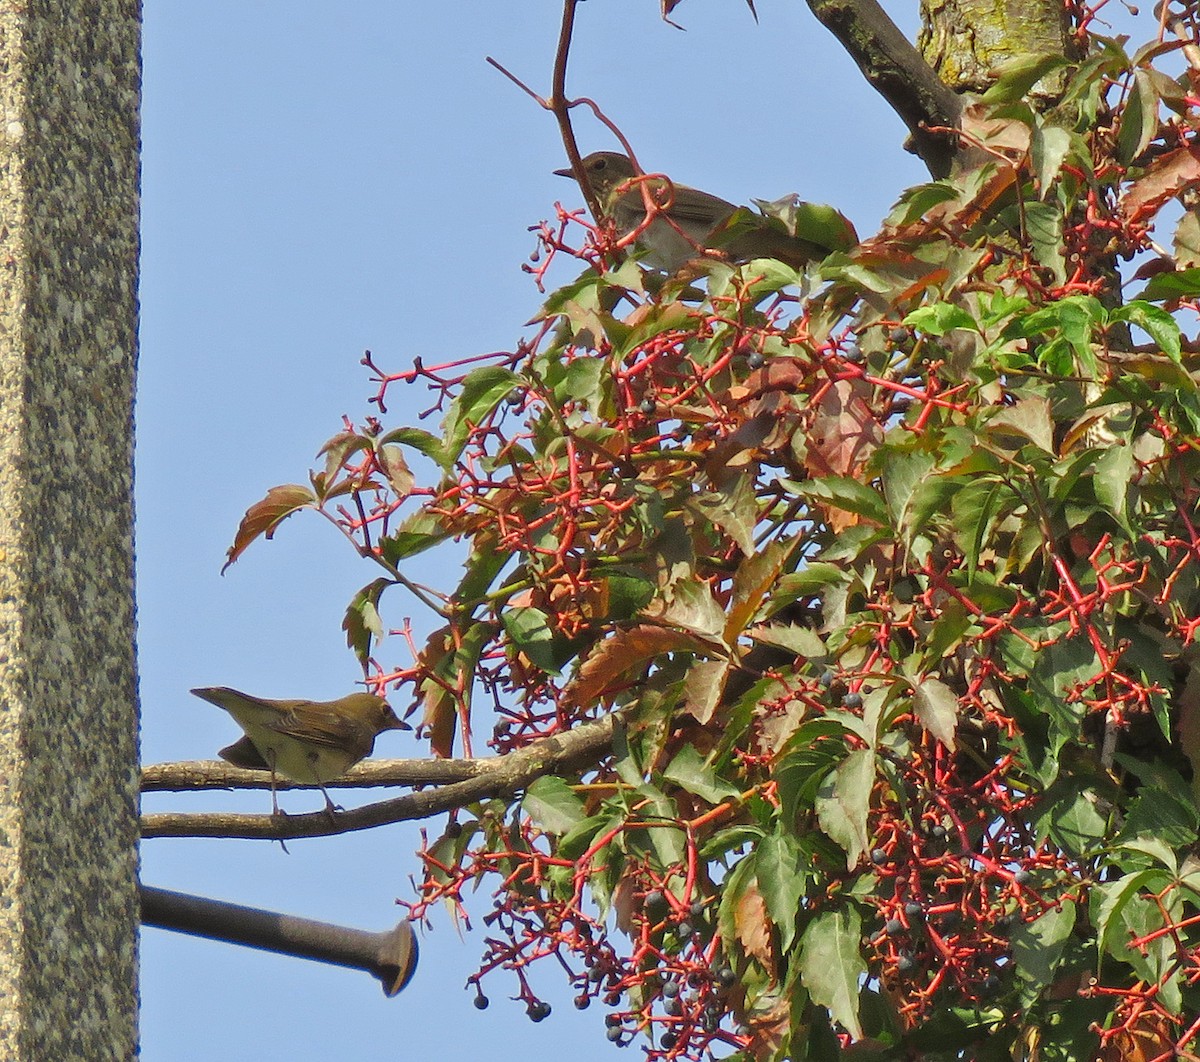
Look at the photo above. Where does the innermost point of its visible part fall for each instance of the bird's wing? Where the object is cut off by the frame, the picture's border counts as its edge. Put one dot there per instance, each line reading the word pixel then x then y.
pixel 690 205
pixel 312 721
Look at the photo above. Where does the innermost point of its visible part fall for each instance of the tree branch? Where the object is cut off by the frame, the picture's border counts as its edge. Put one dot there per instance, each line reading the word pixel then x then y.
pixel 494 777
pixel 193 776
pixel 898 73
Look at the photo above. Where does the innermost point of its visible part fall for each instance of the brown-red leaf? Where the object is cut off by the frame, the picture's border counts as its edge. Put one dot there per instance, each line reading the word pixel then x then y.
pixel 263 517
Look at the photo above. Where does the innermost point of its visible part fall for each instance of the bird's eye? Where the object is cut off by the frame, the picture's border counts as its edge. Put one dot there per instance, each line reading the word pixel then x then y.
pixel 600 164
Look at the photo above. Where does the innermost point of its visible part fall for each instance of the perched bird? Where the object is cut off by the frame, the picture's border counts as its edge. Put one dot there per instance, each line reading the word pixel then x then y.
pixel 312 742
pixel 689 221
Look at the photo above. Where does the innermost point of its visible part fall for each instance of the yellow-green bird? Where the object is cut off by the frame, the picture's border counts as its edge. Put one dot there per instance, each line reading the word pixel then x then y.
pixel 312 742
pixel 689 220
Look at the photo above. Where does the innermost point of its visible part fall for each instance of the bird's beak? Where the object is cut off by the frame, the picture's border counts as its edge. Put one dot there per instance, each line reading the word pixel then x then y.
pixel 564 173
pixel 393 722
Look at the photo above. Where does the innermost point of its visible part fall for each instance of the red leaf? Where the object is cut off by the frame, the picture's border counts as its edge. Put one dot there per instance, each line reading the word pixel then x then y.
pixel 612 663
pixel 1165 177
pixel 263 517
pixel 754 927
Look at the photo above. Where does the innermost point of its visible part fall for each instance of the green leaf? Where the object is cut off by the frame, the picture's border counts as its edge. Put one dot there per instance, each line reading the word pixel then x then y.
pixel 1114 897
pixel 1050 146
pixel 689 771
pixel 915 202
pixel 1180 284
pixel 1154 847
pixel 423 441
pixel 481 391
pixel 974 510
pixel 626 594
pixel 416 534
pixel 553 805
pixel 580 837
pixel 1029 419
pixel 1072 819
pixel 1156 323
pixel 945 634
pixel 735 885
pixel 940 318
pixel 831 966
pixel 1014 78
pixel 803 641
pixel 529 630
pixel 843 800
pixel 849 495
pixel 937 710
pixel 813 752
pixel 1162 816
pixel 362 622
pixel 667 841
pixel 1139 119
pixel 1044 223
pixel 811 579
pixel 1111 479
pixel 1038 945
pixel 902 474
pixel 782 879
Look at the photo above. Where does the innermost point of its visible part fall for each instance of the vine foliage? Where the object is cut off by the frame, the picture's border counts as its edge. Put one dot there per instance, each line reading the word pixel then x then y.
pixel 889 572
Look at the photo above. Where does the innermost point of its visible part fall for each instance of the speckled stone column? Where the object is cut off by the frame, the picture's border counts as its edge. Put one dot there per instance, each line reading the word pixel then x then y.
pixel 69 92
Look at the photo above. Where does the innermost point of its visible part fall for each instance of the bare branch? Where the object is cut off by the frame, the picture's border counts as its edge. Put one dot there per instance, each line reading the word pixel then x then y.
pixel 898 73
pixel 191 776
pixel 502 775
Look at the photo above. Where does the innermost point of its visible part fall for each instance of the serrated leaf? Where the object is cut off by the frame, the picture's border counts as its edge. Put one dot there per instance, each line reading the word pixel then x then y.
pixel 1044 223
pixel 423 441
pixel 1179 284
pixel 390 459
pixel 803 641
pixel 832 967
pixel 482 390
pixel 1030 418
pixel 1155 848
pixel 936 707
pixel 849 495
pixel 902 475
pixel 338 450
pixel 1139 119
pixel 939 318
pixel 416 533
pixel 756 576
pixel 1115 896
pixel 1111 479
pixel 843 801
pixel 1156 323
pixel 1013 79
pixel 1050 146
pixel 553 805
pixel 782 878
pixel 1038 945
pixel 667 841
pixel 529 630
pixel 362 621
pixel 690 771
pixel 265 516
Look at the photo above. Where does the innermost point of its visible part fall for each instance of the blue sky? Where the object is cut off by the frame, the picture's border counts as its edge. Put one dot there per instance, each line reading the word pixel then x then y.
pixel 321 179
